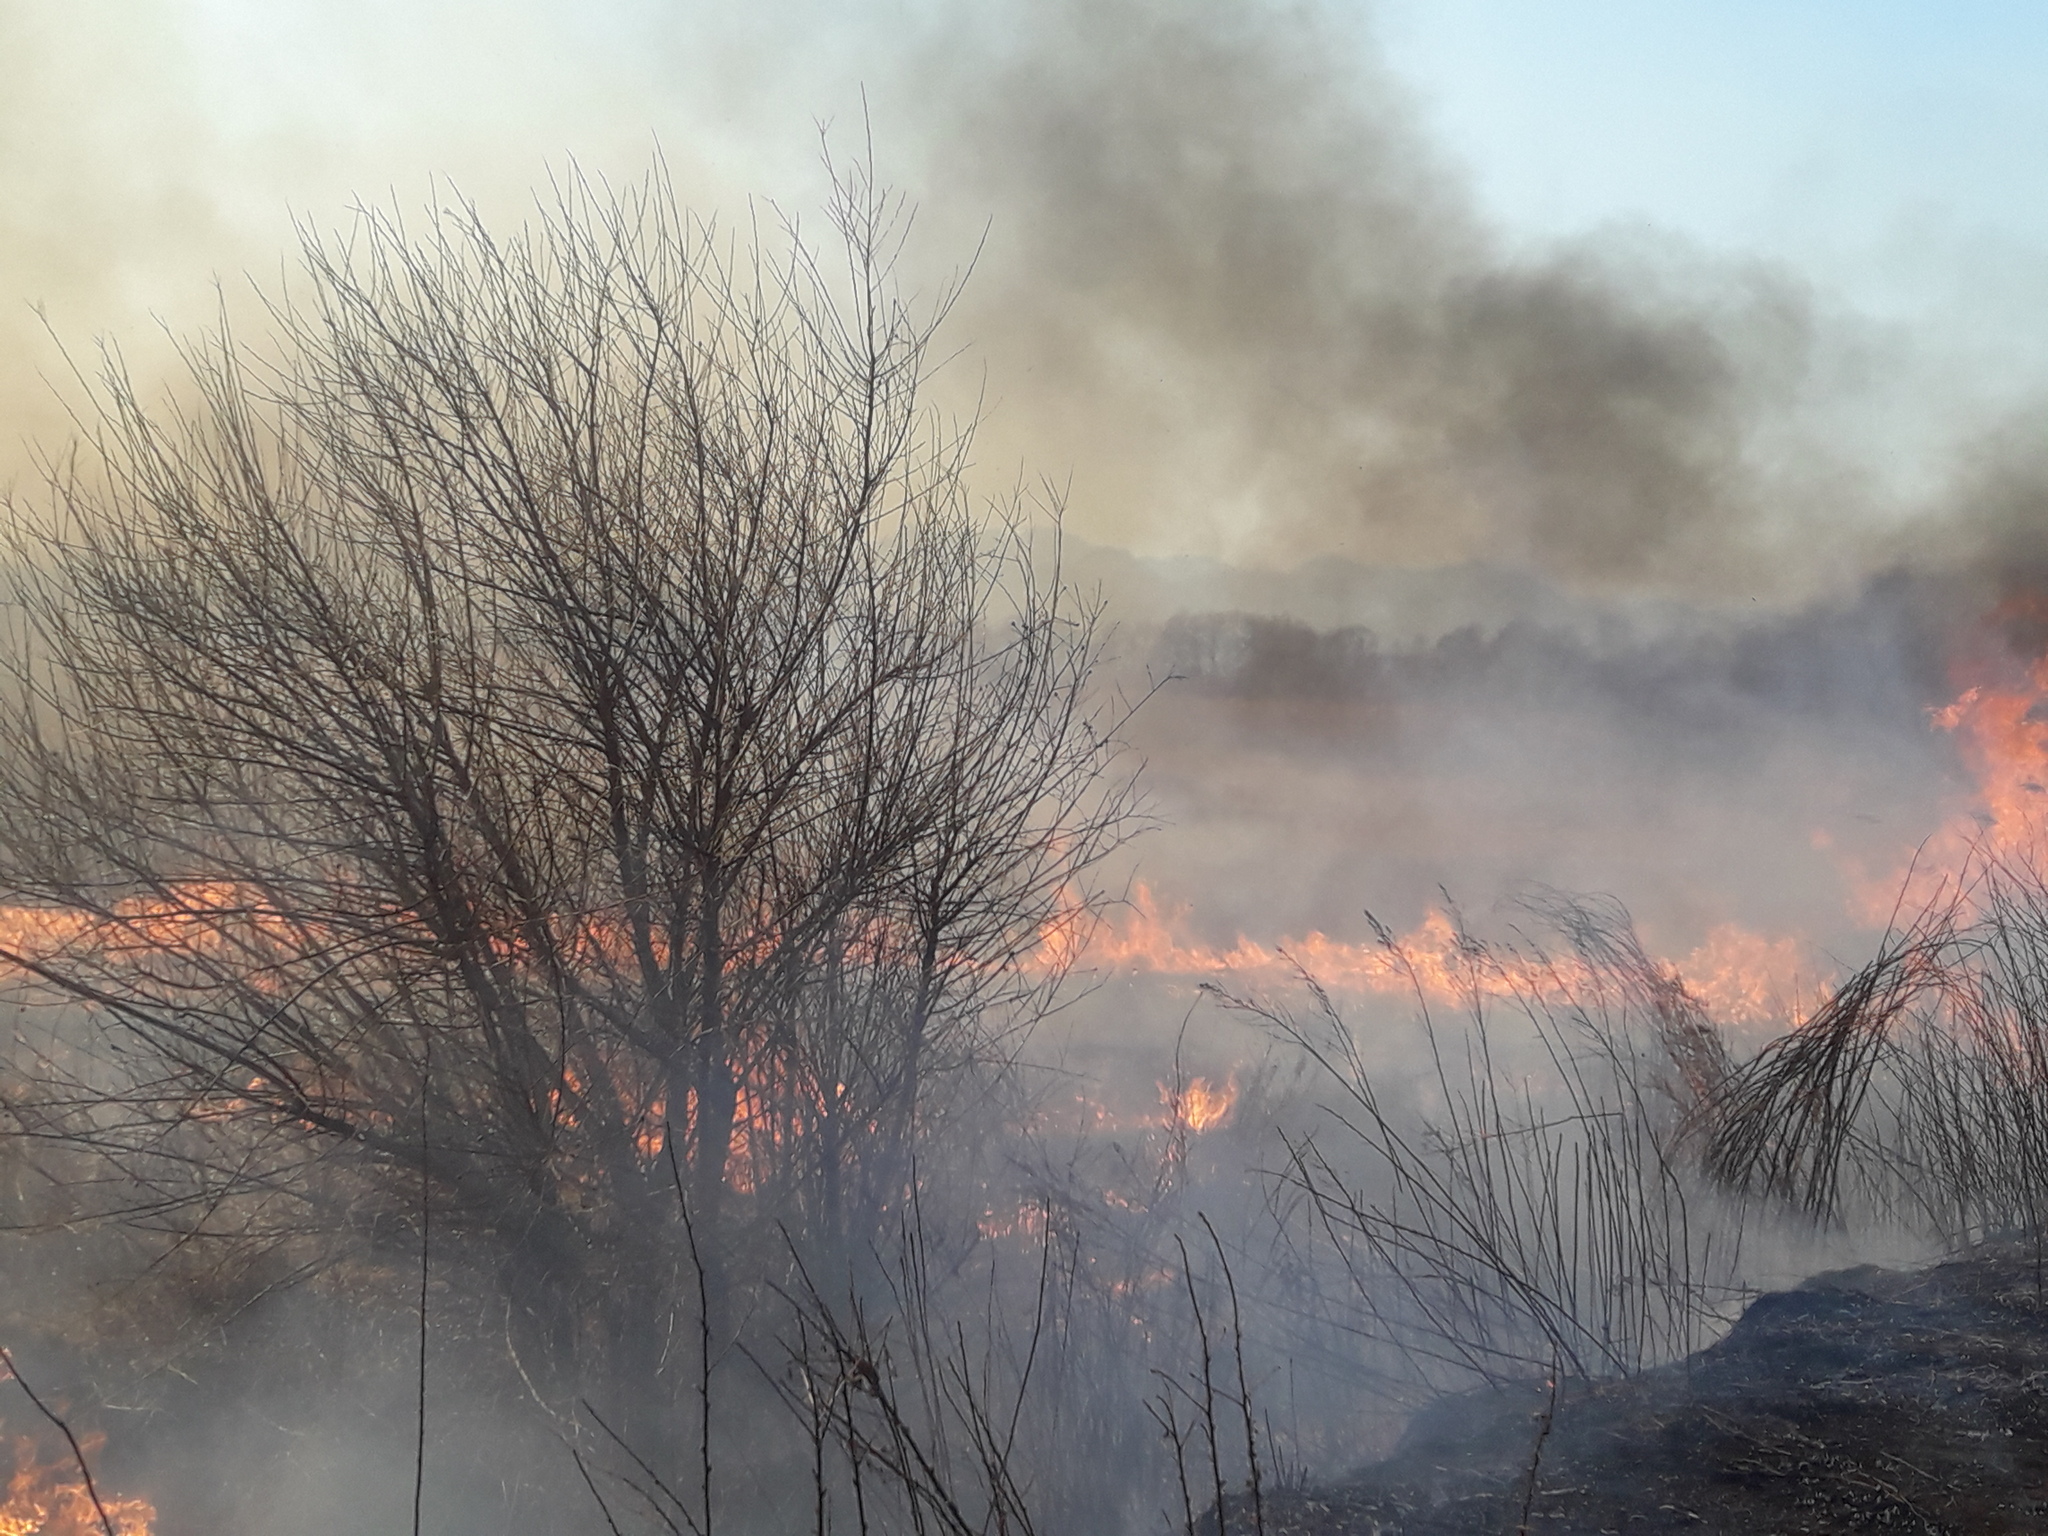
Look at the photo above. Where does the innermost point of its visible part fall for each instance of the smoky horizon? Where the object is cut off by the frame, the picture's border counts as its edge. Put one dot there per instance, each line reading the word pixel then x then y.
pixel 923 769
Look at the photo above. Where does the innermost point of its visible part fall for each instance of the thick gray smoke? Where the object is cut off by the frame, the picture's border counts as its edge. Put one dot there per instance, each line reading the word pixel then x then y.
pixel 1226 273
pixel 1227 282
pixel 1616 569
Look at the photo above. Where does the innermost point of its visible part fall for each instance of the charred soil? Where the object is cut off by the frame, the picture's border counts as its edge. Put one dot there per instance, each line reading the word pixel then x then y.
pixel 1865 1400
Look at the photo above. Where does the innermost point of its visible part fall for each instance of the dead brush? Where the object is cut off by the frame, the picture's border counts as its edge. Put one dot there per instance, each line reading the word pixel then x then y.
pixel 1544 1216
pixel 1917 1095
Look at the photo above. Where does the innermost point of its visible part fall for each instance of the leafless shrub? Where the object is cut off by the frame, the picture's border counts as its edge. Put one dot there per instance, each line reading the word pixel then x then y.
pixel 572 660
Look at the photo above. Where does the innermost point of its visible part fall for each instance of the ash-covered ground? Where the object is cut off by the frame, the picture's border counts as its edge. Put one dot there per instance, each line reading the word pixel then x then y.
pixel 1866 1399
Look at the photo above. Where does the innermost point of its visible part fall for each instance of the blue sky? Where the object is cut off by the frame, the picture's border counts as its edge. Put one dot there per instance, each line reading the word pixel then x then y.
pixel 1881 145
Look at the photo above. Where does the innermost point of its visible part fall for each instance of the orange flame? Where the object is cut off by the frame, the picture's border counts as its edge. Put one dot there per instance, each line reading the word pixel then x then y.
pixel 2004 738
pixel 2001 731
pixel 1744 977
pixel 51 1499
pixel 1147 937
pixel 1741 976
pixel 1199 1104
pixel 196 916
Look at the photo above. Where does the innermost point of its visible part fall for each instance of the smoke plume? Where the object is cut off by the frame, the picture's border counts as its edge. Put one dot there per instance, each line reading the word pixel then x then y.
pixel 1226 272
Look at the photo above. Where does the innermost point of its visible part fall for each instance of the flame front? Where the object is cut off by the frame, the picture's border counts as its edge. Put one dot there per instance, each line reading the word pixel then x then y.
pixel 2004 735
pixel 1743 977
pixel 1747 978
pixel 1434 958
pixel 50 1499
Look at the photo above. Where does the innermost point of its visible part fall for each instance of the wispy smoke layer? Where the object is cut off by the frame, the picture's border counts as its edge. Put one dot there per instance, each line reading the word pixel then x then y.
pixel 1449 543
pixel 97 202
pixel 1226 280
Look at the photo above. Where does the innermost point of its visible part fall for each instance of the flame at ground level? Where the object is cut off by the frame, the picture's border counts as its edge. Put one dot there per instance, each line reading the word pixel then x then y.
pixel 1742 977
pixel 1199 1104
pixel 49 1498
pixel 1748 978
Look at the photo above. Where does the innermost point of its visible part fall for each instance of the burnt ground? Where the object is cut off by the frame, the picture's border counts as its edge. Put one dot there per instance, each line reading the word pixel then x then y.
pixel 1865 1400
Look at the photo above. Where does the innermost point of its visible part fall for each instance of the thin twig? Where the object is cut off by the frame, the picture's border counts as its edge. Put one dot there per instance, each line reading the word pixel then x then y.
pixel 419 1465
pixel 591 1483
pixel 77 1452
pixel 1187 1274
pixel 703 1321
pixel 1536 1451
pixel 1244 1391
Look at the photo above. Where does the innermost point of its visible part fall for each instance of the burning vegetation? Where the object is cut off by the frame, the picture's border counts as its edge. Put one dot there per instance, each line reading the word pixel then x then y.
pixel 51 1498
pixel 541 798
pixel 57 1496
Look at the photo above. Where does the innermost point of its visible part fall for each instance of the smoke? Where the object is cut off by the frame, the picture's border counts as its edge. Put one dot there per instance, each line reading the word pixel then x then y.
pixel 1224 278
pixel 95 203
pixel 1454 543
pixel 1235 281
pixel 155 155
pixel 1522 496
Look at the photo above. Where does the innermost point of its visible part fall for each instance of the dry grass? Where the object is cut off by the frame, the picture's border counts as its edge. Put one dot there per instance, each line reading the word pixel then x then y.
pixel 1917 1095
pixel 1547 1210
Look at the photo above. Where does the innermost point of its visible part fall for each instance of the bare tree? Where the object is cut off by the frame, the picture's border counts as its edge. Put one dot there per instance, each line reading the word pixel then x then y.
pixel 556 698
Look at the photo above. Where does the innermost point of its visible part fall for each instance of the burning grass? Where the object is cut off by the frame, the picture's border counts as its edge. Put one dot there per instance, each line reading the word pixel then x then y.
pixel 1546 1215
pixel 1741 977
pixel 57 1496
pixel 1538 1203
pixel 47 1496
pixel 1917 1094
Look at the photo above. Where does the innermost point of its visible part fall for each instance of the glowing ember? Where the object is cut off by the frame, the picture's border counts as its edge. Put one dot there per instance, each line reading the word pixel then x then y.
pixel 1025 1221
pixel 1198 1104
pixel 50 1499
